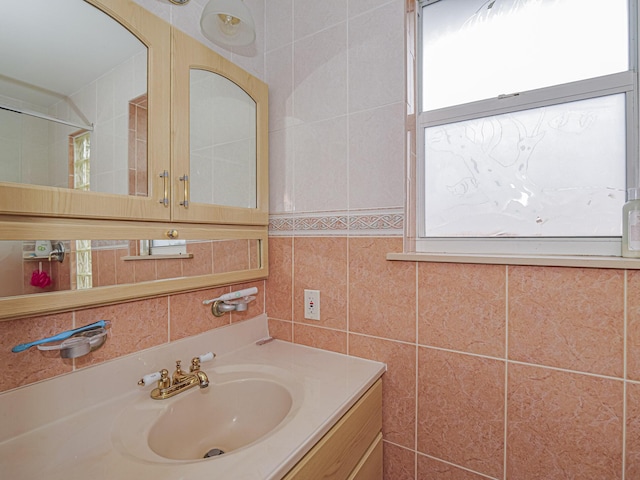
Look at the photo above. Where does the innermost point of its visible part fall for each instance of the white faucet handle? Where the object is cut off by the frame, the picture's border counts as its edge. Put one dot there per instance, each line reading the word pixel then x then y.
pixel 150 378
pixel 206 357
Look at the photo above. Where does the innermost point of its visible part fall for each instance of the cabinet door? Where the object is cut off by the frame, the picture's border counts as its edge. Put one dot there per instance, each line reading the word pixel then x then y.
pixel 219 132
pixel 84 121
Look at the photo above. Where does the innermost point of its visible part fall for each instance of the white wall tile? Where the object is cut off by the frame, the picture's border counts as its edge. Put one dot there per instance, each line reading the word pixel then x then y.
pixel 376 58
pixel 358 7
pixel 279 77
pixel 320 75
pixel 320 153
pixel 279 24
pixel 376 158
pixel 281 173
pixel 312 16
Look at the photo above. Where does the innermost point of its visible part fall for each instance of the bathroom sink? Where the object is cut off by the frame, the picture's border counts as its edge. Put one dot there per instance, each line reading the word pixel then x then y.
pixel 240 407
pixel 213 421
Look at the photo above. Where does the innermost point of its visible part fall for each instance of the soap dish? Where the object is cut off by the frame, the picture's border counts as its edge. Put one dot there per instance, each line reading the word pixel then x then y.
pixel 78 345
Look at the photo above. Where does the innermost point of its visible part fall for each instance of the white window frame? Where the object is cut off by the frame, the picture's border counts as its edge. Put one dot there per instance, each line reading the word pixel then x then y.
pixel 625 82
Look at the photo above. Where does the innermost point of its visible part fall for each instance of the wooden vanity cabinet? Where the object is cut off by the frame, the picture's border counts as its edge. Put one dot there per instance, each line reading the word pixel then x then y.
pixel 352 449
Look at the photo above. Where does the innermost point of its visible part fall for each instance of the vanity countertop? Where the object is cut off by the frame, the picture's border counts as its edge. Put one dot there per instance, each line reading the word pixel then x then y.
pixel 67 428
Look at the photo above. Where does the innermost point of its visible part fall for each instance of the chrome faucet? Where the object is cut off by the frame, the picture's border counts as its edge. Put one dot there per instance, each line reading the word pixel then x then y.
pixel 179 381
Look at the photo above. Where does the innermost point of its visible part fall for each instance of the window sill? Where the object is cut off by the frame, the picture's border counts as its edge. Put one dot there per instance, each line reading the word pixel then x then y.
pixel 535 260
pixel 156 257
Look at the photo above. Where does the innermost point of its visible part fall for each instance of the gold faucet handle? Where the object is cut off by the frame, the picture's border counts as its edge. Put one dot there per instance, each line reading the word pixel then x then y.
pixel 195 364
pixel 164 381
pixel 178 374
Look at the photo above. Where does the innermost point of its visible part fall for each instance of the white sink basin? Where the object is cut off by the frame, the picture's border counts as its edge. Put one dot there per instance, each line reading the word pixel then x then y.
pixel 220 419
pixel 238 409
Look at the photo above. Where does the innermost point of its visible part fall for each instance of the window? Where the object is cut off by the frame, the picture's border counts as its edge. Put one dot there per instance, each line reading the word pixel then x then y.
pixel 168 247
pixel 527 126
pixel 81 175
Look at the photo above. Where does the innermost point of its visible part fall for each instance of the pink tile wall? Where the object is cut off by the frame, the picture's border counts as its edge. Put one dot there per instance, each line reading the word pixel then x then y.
pixel 493 371
pixel 135 326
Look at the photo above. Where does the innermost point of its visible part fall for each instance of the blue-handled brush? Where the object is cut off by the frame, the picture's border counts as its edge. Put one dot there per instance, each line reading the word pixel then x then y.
pixel 61 336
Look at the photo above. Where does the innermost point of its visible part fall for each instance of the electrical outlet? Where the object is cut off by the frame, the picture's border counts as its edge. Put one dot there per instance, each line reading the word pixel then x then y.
pixel 312 304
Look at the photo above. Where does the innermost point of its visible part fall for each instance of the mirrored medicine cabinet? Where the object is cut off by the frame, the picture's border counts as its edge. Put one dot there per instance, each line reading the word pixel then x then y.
pixel 106 111
pixel 120 130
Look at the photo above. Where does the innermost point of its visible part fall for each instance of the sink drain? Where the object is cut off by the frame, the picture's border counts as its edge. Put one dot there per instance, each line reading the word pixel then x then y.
pixel 214 452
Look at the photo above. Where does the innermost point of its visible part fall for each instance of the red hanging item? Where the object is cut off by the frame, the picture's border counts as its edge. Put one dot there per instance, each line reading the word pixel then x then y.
pixel 41 279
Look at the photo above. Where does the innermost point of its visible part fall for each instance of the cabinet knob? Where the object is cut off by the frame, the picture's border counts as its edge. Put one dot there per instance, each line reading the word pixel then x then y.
pixel 172 233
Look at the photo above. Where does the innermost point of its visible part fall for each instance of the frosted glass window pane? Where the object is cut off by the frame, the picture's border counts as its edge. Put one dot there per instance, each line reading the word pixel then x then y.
pixel 552 172
pixel 478 49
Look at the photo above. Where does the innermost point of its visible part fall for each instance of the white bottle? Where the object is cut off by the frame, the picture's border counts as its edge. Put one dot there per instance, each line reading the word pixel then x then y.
pixel 43 248
pixel 631 224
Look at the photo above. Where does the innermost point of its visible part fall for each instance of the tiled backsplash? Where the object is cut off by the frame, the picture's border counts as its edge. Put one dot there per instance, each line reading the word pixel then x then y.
pixel 135 326
pixel 493 371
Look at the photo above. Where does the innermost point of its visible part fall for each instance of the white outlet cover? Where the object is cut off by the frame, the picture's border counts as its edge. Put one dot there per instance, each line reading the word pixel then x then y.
pixel 312 304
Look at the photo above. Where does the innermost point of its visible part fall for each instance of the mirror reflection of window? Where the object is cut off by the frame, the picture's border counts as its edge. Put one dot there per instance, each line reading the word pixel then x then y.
pixel 81 174
pixel 168 247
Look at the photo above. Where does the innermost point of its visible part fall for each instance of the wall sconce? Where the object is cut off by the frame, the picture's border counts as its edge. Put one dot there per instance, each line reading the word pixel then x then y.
pixel 228 23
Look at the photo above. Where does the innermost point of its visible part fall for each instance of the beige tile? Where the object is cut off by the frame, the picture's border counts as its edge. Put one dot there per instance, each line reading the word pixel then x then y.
pixel 320 263
pixel 255 307
pixel 169 268
pixel 202 261
pixel 333 340
pixel 462 307
pixel 633 325
pixel 461 409
pixel 135 326
pixel 398 463
pixel 230 256
pixel 570 318
pixel 633 431
pixel 381 293
pixel 188 316
pixel 429 468
pixel 281 329
pixel 279 285
pixel 563 425
pixel 398 385
pixel 125 270
pixel 106 267
pixel 145 270
pixel 32 365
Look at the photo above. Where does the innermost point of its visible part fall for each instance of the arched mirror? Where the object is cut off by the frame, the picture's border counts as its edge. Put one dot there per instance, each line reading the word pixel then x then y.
pixel 83 116
pixel 219 137
pixel 222 141
pixel 73 88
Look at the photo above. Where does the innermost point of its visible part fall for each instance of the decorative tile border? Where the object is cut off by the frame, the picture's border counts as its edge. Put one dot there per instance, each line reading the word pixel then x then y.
pixel 387 222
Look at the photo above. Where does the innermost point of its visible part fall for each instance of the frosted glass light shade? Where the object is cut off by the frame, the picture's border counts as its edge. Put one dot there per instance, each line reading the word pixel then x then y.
pixel 228 22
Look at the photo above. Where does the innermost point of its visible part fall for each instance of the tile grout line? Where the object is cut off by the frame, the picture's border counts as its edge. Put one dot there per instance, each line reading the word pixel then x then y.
pixel 624 373
pixel 417 377
pixel 292 304
pixel 348 312
pixel 506 370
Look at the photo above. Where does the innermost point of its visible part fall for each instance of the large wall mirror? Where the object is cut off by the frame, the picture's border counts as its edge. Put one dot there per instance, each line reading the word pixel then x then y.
pixel 56 265
pixel 73 99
